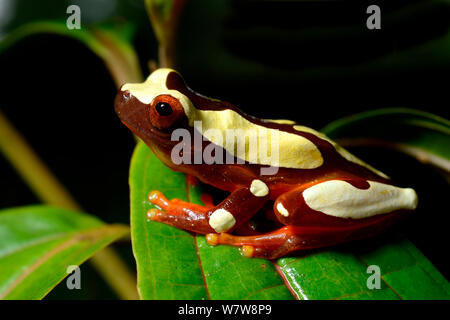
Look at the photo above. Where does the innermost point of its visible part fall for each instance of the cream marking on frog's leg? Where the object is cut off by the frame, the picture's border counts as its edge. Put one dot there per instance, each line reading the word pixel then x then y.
pixel 341 199
pixel 259 188
pixel 343 152
pixel 282 210
pixel 291 151
pixel 221 220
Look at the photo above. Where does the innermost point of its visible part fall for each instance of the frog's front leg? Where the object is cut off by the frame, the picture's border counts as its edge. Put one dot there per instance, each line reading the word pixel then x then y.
pixel 230 214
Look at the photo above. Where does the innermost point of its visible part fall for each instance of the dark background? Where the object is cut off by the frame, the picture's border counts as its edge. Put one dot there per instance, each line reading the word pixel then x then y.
pixel 310 61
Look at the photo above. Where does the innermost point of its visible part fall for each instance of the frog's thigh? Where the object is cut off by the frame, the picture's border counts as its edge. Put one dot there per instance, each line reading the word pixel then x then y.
pixel 344 200
pixel 354 199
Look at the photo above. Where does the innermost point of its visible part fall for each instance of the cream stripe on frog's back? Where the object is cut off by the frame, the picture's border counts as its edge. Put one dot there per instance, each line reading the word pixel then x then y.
pixel 280 121
pixel 343 152
pixel 294 151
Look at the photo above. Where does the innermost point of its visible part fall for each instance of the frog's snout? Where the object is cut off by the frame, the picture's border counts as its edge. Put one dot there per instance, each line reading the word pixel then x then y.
pixel 121 103
pixel 131 112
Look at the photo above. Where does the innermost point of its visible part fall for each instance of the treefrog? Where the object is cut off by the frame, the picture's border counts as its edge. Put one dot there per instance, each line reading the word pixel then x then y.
pixel 313 192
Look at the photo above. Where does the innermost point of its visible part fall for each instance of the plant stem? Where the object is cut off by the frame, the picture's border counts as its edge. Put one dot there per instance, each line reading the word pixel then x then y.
pixel 47 188
pixel 121 60
pixel 165 18
pixel 116 273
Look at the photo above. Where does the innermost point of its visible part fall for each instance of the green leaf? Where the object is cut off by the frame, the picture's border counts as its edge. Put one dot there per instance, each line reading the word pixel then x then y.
pixel 341 273
pixel 420 134
pixel 174 264
pixel 111 42
pixel 38 243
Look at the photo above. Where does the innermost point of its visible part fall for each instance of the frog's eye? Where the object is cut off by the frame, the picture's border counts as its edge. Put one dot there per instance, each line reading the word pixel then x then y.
pixel 163 108
pixel 165 111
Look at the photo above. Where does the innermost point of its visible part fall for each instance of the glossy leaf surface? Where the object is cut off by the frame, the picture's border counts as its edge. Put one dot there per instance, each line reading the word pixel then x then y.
pixel 174 264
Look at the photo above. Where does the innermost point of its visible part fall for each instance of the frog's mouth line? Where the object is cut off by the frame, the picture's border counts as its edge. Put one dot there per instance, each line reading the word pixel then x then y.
pixel 155 134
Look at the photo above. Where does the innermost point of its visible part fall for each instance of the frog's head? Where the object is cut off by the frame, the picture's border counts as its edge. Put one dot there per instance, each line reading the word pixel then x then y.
pixel 158 106
pixel 150 109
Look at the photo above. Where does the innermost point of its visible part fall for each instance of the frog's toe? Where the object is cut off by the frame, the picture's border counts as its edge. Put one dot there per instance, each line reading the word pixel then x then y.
pixel 153 195
pixel 212 238
pixel 154 214
pixel 248 251
pixel 156 197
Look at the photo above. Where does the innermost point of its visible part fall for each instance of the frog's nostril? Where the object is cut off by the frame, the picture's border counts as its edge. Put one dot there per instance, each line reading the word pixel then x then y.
pixel 120 102
pixel 126 95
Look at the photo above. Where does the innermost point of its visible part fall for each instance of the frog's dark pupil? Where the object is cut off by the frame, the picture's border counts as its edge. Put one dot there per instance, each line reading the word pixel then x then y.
pixel 163 108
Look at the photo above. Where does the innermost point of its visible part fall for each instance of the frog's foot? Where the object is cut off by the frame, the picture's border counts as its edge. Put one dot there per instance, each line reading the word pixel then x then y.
pixel 230 214
pixel 178 213
pixel 157 198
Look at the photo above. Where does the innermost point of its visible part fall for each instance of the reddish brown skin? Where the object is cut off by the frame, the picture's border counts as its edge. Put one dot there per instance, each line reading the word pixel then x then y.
pixel 304 228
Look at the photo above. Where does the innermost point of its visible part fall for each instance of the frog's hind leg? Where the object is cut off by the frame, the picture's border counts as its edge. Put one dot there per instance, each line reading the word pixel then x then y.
pixel 230 214
pixel 361 209
pixel 271 245
pixel 283 241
